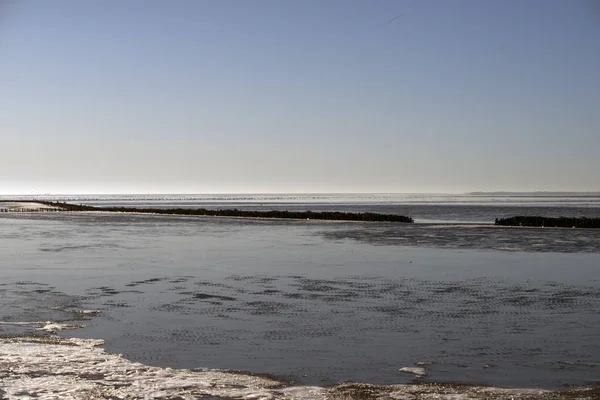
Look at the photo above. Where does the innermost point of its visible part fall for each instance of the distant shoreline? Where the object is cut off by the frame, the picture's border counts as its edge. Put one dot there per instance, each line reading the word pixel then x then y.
pixel 536 194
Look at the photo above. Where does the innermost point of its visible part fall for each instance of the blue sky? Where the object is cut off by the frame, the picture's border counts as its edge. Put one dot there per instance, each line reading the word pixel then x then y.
pixel 299 96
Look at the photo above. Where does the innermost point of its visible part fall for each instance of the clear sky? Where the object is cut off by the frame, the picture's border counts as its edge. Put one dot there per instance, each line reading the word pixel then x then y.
pixel 127 96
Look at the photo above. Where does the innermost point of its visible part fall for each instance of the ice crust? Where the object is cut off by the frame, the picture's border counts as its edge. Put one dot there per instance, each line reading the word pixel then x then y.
pixel 56 368
pixel 51 368
pixel 47 326
pixel 419 372
pixel 54 327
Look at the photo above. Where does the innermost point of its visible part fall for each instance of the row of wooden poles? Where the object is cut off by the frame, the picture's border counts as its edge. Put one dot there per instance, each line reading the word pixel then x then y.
pixel 30 209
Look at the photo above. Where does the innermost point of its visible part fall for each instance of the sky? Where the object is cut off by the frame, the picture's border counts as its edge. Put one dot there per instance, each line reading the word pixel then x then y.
pixel 314 96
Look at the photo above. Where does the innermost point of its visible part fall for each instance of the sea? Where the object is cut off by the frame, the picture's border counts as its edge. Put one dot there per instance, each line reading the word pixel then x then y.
pixel 103 305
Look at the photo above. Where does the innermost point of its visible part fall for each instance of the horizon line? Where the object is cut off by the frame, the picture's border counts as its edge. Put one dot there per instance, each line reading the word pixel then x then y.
pixel 498 192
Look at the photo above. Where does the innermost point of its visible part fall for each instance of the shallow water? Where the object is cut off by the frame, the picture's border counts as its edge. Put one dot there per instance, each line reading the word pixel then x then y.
pixel 427 208
pixel 314 302
pixel 420 212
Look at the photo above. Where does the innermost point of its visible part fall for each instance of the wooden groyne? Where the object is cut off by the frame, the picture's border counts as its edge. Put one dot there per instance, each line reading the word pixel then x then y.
pixel 273 214
pixel 558 222
pixel 29 210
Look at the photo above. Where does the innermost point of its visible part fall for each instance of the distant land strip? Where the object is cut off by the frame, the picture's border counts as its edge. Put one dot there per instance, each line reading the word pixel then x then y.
pixel 536 194
pixel 559 222
pixel 319 215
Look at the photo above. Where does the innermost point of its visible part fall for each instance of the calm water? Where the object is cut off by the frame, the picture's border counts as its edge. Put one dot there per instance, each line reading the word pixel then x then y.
pixel 316 302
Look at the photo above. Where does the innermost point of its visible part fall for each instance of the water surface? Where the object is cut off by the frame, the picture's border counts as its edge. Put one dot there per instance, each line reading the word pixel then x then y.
pixel 314 302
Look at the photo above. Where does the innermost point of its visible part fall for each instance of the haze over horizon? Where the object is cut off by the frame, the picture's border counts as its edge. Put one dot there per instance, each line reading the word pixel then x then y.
pixel 299 97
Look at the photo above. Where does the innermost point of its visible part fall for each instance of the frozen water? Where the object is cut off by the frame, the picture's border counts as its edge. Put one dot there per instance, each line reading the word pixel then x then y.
pixel 419 372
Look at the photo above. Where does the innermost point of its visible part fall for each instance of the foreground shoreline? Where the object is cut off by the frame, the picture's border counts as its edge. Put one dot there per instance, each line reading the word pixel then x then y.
pixel 80 368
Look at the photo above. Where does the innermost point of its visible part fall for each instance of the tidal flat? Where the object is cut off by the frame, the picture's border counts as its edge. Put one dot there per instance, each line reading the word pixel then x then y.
pixel 312 303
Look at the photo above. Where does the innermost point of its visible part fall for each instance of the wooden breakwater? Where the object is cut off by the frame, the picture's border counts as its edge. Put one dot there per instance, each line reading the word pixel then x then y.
pixel 554 222
pixel 29 210
pixel 273 214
